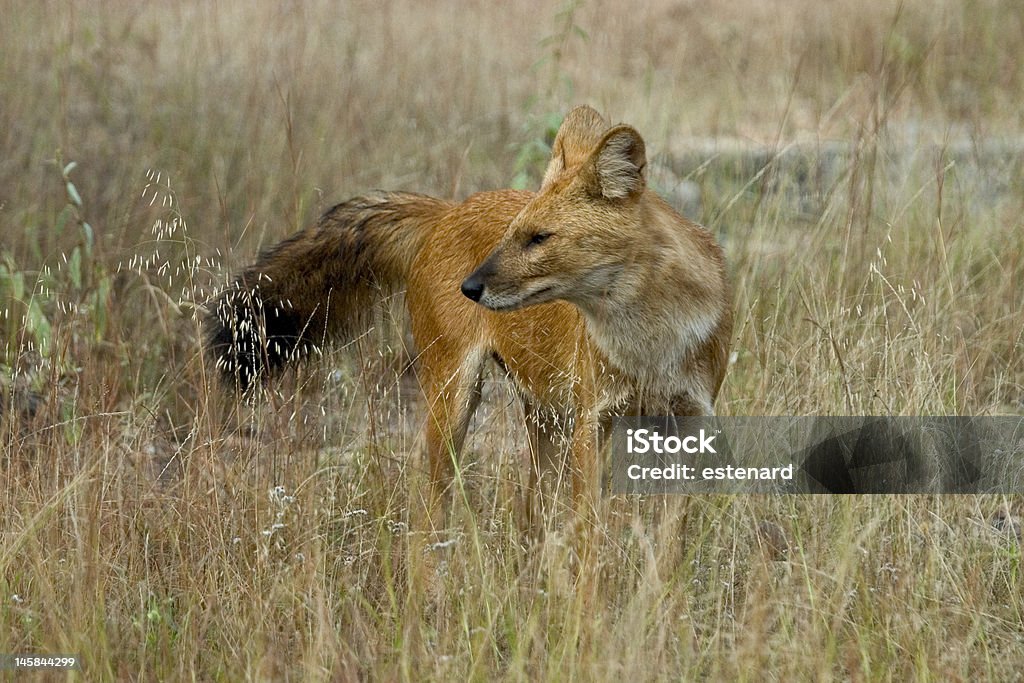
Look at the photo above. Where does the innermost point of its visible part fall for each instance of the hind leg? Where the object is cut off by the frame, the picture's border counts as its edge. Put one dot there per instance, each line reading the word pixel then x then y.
pixel 452 391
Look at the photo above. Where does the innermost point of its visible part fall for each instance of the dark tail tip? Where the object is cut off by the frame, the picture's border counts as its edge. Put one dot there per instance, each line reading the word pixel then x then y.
pixel 249 336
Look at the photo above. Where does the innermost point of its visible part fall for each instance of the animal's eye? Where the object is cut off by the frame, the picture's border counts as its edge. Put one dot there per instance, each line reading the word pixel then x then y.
pixel 538 238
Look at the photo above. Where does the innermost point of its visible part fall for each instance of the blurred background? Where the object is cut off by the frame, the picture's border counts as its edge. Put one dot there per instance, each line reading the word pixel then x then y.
pixel 262 114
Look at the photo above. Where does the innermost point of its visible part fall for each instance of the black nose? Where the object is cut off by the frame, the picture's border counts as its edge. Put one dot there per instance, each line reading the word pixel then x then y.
pixel 473 287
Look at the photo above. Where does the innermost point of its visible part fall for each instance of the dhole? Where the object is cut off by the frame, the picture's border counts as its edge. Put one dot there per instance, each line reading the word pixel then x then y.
pixel 592 294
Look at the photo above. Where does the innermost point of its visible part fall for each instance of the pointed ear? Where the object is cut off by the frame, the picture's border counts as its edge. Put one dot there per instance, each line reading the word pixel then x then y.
pixel 580 130
pixel 556 165
pixel 618 164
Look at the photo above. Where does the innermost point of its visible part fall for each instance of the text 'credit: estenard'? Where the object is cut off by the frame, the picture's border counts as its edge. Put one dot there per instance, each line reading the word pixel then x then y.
pixel 647 442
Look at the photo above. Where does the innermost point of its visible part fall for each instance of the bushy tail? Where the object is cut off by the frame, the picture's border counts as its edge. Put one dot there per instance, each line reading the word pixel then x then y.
pixel 319 284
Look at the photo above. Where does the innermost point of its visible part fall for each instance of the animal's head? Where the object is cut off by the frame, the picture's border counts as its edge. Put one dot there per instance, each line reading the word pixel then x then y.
pixel 572 240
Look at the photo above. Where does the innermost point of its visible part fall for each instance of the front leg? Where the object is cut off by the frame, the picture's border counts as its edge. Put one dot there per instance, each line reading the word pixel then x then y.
pixel 546 429
pixel 585 458
pixel 692 404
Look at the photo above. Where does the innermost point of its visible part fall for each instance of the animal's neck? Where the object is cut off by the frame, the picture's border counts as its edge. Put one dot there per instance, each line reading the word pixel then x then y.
pixel 651 325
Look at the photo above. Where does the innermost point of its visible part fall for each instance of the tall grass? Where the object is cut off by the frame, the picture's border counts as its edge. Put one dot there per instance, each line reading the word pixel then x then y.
pixel 163 530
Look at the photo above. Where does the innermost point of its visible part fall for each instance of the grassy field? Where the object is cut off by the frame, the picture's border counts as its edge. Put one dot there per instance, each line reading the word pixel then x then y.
pixel 162 530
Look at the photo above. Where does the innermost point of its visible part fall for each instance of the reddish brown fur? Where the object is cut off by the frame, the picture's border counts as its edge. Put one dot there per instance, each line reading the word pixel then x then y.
pixel 637 316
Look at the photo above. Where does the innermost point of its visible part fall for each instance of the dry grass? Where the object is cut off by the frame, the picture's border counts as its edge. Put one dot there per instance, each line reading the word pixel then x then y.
pixel 164 533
